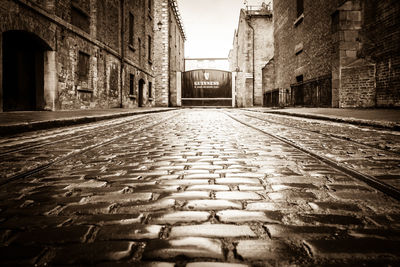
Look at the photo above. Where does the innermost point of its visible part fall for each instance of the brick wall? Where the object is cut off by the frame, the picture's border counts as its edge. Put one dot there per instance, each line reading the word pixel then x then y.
pixel 381 44
pixel 169 52
pixel 303 45
pixel 358 85
pixel 107 82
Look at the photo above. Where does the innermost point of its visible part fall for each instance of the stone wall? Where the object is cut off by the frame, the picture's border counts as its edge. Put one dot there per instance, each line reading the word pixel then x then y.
pixel 257 26
pixel 169 52
pixel 69 40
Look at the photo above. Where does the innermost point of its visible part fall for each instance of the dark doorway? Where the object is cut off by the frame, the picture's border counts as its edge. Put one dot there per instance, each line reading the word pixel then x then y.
pixel 140 93
pixel 23 71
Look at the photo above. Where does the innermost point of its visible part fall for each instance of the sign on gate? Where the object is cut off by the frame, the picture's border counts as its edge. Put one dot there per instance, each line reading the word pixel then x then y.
pixel 207 88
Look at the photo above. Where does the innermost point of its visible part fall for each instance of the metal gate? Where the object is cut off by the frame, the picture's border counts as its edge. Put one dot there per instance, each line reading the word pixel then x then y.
pixel 207 88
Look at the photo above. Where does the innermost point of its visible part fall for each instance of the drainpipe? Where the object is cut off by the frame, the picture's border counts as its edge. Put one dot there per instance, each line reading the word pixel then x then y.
pixel 122 11
pixel 251 27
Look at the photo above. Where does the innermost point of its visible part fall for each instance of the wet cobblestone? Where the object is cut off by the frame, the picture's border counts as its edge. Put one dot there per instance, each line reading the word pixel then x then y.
pixel 199 189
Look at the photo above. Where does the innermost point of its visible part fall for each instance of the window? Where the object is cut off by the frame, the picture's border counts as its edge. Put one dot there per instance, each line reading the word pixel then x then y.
pixel 150 89
pixel 131 84
pixel 299 78
pixel 83 66
pixel 140 50
pixel 80 17
pixel 149 48
pixel 300 7
pixel 131 29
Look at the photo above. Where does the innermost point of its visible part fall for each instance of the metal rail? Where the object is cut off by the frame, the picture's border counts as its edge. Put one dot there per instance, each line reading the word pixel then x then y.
pixel 328 135
pixel 370 180
pixel 78 152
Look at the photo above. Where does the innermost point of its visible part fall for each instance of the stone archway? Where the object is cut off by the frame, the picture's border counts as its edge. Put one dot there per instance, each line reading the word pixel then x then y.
pixel 28 71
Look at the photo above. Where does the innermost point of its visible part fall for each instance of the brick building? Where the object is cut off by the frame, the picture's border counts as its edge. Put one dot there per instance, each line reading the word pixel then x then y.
pixel 337 53
pixel 253 47
pixel 76 54
pixel 169 51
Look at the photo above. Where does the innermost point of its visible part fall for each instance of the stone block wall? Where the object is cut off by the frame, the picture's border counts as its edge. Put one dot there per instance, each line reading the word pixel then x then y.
pixel 258 26
pixel 103 45
pixel 169 52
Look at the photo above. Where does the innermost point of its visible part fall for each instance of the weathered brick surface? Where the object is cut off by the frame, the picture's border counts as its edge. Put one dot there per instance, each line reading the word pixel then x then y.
pixel 169 53
pixel 94 28
pixel 327 41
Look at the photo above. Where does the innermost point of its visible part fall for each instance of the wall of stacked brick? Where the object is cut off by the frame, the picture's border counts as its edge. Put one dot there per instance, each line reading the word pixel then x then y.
pixel 169 51
pixel 303 46
pixel 381 44
pixel 356 42
pixel 176 54
pixel 87 63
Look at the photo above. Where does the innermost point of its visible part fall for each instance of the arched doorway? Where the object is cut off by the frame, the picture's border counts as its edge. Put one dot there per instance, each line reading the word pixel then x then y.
pixel 23 71
pixel 140 93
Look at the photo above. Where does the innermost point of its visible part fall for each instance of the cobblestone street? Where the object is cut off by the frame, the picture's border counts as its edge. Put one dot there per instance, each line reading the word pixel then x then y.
pixel 201 187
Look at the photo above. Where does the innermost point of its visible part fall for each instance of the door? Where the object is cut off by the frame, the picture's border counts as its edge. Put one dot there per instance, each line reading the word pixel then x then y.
pixel 140 93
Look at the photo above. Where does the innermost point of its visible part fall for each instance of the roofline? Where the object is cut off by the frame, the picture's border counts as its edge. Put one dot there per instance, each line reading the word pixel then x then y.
pixel 174 5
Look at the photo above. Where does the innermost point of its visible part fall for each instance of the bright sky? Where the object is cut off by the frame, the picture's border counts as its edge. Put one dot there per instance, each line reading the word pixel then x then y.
pixel 210 24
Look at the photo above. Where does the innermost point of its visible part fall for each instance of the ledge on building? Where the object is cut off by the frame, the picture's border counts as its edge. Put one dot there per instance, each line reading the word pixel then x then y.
pixel 131 47
pixel 298 20
pixel 150 62
pixel 151 99
pixel 132 96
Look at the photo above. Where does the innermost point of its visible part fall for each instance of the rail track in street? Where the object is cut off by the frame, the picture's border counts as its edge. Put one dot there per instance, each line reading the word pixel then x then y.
pixel 368 179
pixel 82 142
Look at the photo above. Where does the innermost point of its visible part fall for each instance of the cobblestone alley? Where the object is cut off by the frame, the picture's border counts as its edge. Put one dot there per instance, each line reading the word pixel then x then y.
pixel 201 187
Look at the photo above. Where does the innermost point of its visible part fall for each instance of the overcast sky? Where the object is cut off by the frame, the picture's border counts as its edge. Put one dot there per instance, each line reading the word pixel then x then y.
pixel 209 25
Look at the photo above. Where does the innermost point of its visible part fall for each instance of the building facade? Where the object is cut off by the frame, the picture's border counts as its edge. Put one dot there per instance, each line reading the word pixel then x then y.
pixel 337 53
pixel 76 54
pixel 169 51
pixel 253 47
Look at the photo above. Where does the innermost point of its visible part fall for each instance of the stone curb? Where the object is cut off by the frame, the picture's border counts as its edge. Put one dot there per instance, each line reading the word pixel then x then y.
pixel 376 124
pixel 42 125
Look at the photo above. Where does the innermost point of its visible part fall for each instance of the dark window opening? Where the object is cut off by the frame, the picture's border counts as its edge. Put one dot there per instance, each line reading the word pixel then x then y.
pixel 149 48
pixel 300 7
pixel 335 22
pixel 150 89
pixel 83 66
pixel 131 29
pixel 131 84
pixel 140 50
pixel 299 78
pixel 149 5
pixel 80 18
